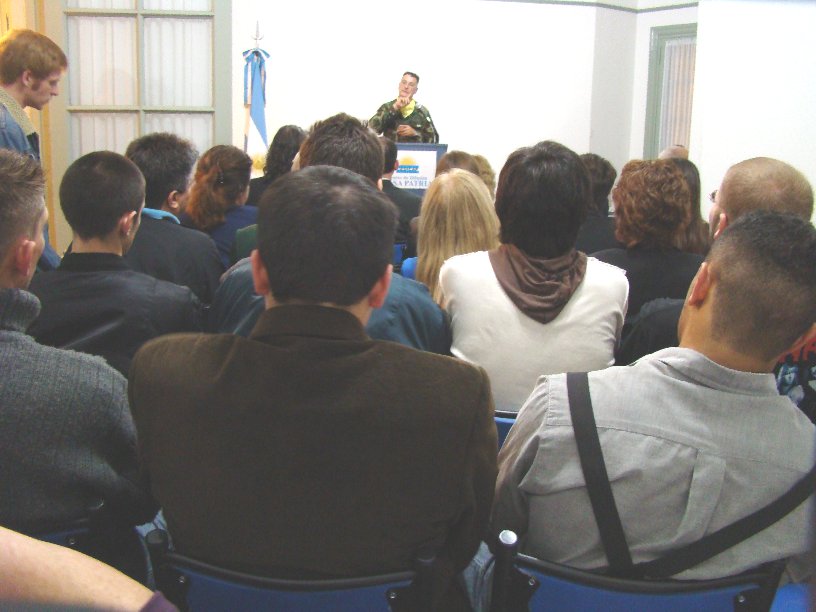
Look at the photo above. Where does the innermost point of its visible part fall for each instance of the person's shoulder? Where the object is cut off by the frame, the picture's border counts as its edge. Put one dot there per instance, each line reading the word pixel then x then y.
pixel 431 369
pixel 477 260
pixel 599 271
pixel 610 255
pixel 181 351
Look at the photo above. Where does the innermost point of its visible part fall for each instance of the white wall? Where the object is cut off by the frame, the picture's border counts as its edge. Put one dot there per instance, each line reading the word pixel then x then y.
pixel 495 75
pixel 755 86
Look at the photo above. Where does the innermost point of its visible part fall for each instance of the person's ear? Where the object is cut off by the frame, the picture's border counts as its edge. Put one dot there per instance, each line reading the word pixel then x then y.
pixel 396 165
pixel 260 277
pixel 24 259
pixel 722 223
pixel 173 202
pixel 379 184
pixel 378 293
pixel 700 285
pixel 28 79
pixel 127 223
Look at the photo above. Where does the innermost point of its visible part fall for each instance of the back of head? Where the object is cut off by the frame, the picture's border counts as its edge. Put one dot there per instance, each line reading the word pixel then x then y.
pixel 457 159
pixel 765 267
pixel 602 176
pixel 676 151
pixel 221 179
pixel 22 50
pixel 283 149
pixel 695 238
pixel 457 217
pixel 345 142
pixel 652 204
pixel 487 174
pixel 97 189
pixel 389 154
pixel 542 199
pixel 166 161
pixel 22 190
pixel 763 183
pixel 325 235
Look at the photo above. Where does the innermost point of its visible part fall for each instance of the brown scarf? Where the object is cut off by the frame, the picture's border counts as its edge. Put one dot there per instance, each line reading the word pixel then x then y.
pixel 539 287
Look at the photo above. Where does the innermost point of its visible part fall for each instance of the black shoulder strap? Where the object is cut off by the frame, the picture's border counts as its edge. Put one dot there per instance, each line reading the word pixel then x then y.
pixel 595 475
pixel 606 513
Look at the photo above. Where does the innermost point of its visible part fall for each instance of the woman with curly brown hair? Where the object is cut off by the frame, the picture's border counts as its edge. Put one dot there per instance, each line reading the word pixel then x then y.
pixel 217 197
pixel 652 212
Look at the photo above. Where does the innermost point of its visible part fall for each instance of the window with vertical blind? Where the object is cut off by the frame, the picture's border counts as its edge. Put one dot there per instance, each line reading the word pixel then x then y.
pixel 136 67
pixel 671 87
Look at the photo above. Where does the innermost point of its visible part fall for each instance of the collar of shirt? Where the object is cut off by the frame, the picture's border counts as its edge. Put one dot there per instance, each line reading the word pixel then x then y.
pixel 17 112
pixel 155 213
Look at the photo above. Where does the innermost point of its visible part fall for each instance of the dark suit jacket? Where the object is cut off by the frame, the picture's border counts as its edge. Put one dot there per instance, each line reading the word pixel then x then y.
pixel 308 448
pixel 170 252
pixel 408 205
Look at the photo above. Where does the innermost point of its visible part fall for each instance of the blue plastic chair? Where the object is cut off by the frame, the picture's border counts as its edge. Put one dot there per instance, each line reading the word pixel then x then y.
pixel 794 598
pixel 399 253
pixel 564 589
pixel 504 421
pixel 408 269
pixel 194 585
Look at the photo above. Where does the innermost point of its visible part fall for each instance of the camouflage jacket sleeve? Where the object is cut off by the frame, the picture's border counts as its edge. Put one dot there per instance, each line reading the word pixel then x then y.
pixel 385 119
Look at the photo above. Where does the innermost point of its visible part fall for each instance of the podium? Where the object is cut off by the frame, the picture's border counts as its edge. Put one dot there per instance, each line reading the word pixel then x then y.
pixel 417 165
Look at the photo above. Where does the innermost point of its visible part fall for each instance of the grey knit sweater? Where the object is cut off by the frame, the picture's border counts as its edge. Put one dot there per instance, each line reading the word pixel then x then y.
pixel 66 433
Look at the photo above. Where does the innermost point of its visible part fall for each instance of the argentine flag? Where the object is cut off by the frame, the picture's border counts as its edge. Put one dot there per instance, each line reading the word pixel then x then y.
pixel 255 101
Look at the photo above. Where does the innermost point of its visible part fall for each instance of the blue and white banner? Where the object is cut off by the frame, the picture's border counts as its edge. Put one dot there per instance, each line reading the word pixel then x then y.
pixel 255 101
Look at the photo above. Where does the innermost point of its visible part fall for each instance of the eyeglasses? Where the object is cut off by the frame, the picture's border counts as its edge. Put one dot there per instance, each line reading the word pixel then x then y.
pixel 713 196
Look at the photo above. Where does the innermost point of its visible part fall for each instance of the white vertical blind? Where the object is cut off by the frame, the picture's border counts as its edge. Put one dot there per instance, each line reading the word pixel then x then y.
pixel 102 60
pixel 196 127
pixel 678 91
pixel 102 132
pixel 178 62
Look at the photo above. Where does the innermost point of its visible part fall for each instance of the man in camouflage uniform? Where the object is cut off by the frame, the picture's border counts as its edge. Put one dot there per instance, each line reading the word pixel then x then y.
pixel 403 119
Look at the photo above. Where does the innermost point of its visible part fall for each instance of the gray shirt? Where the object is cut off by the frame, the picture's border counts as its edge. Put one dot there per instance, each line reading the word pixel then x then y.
pixel 690 446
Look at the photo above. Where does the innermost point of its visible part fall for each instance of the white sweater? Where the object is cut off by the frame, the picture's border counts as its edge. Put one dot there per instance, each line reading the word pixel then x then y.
pixel 490 331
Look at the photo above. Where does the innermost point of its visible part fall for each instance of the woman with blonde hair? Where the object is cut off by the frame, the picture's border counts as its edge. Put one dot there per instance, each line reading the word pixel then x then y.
pixel 217 197
pixel 457 217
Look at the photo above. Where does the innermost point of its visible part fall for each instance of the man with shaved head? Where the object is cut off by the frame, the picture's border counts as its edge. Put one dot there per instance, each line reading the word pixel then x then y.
pixel 760 183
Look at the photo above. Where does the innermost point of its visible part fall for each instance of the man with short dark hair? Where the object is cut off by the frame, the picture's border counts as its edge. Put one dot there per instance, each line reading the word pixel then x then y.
pixel 94 302
pixel 407 203
pixel 598 229
pixel 409 315
pixel 67 439
pixel 322 450
pixel 694 438
pixel 163 248
pixel 404 119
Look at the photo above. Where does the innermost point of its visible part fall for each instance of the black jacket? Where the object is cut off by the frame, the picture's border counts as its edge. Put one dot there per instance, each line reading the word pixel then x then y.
pixel 94 303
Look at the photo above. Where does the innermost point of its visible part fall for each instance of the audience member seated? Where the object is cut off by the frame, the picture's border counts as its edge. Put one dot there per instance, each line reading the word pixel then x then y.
pixel 93 302
pixel 535 305
pixel 409 315
pixel 217 197
pixel 697 237
pixel 759 183
pixel 308 449
pixel 676 151
pixel 37 575
pixel 163 248
pixel 68 437
pixel 487 174
pixel 279 158
pixel 652 212
pixel 407 203
pixel 457 217
pixel 598 231
pixel 694 438
pixel 457 159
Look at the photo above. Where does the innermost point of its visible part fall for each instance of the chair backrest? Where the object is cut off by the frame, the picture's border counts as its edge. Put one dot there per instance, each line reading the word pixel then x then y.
pixel 193 585
pixel 794 598
pixel 552 586
pixel 408 269
pixel 504 421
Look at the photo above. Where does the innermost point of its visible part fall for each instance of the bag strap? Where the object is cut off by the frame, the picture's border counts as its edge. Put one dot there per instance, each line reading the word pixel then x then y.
pixel 608 519
pixel 595 475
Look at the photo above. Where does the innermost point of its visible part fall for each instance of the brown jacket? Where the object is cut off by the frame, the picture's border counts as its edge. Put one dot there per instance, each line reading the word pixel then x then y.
pixel 310 449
